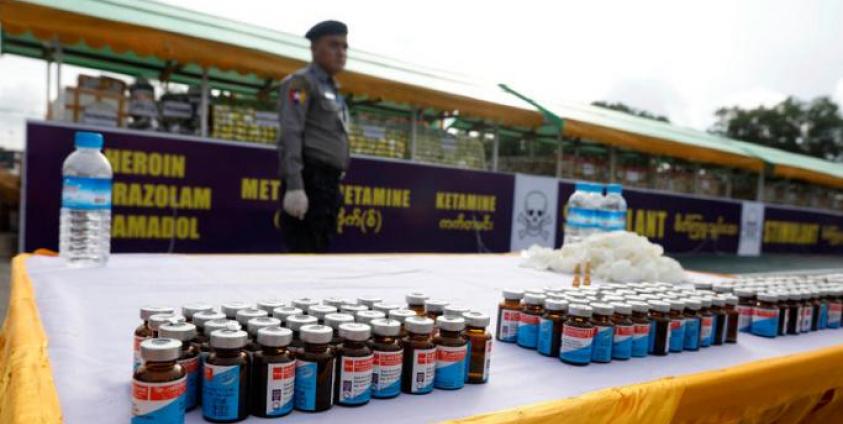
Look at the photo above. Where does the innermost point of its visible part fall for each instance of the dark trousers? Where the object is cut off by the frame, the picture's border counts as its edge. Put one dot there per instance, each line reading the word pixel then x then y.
pixel 313 234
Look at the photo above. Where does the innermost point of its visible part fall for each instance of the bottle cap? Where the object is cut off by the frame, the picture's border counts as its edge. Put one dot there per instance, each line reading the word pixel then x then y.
pixel 513 294
pixel 693 304
pixel 385 327
pixel 476 319
pixel 150 310
pixel 745 292
pixel 418 325
pixel 274 336
pixel 368 301
pixel 200 318
pixel 450 323
pixel 768 297
pixel 286 311
pixel 622 308
pixel 614 188
pixel 722 288
pixel 230 309
pixel 367 316
pixel 244 315
pixel 229 338
pixel 296 322
pixel 731 299
pixel 702 286
pixel 401 314
pixel 416 298
pixel 638 306
pixel 88 140
pixel 319 311
pixel 316 334
pixel 190 309
pixel 435 305
pixel 580 310
pixel 269 305
pixel 304 303
pixel 659 305
pixel 602 308
pixel 255 324
pixel 182 331
pixel 355 331
pixel 353 309
pixel 160 349
pixel 157 320
pixel 718 301
pixel 705 301
pixel 220 324
pixel 534 299
pixel 334 320
pixel 456 310
pixel 556 305
pixel 385 307
pixel 336 302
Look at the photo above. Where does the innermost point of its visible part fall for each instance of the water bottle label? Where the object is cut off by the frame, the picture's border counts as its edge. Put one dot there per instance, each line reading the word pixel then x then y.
pixel 614 220
pixel 581 217
pixel 86 193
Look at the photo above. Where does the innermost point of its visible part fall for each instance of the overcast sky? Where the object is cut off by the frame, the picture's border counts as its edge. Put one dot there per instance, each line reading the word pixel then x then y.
pixel 680 59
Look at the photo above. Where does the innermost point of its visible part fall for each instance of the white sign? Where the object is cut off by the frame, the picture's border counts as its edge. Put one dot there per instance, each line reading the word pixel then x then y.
pixel 534 211
pixel 752 229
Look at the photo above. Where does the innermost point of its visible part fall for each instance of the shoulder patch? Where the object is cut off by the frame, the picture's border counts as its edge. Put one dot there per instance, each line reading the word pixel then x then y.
pixel 297 90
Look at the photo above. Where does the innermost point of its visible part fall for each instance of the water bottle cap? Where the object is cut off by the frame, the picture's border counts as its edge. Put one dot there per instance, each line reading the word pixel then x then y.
pixel 581 186
pixel 596 188
pixel 614 188
pixel 88 140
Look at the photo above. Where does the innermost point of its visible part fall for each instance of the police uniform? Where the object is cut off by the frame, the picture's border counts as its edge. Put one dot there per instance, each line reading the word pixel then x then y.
pixel 313 154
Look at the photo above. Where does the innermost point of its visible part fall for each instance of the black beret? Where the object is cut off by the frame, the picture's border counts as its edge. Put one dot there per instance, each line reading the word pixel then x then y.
pixel 326 28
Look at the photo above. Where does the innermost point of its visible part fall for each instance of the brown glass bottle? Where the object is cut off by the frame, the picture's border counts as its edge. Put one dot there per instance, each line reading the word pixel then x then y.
pixel 815 311
pixel 793 309
pixel 451 349
pixel 353 385
pixel 160 374
pixel 509 315
pixel 550 327
pixel 479 351
pixel 400 315
pixel 415 302
pixel 784 298
pixel 315 370
pixel 225 387
pixel 273 373
pixel 732 319
pixel 660 327
pixel 435 308
pixel 389 357
pixel 143 332
pixel 577 336
pixel 188 358
pixel 719 314
pixel 419 366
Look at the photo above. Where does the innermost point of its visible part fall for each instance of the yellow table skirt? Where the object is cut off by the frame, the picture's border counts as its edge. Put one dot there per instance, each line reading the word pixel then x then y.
pixel 806 387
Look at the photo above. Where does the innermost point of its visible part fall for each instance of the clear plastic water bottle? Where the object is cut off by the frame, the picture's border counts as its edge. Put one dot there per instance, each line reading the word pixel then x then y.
pixel 578 217
pixel 85 227
pixel 614 207
pixel 594 204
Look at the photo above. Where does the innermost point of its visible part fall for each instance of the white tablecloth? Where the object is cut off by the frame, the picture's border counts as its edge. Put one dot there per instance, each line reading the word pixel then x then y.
pixel 89 316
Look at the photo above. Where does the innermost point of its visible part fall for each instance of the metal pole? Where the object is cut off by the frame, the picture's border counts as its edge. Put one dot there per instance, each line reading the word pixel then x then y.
pixel 613 163
pixel 413 132
pixel 496 145
pixel 697 168
pixel 559 153
pixel 759 193
pixel 203 105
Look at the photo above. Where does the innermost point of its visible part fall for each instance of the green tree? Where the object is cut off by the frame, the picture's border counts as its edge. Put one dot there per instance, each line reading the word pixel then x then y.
pixel 620 107
pixel 814 128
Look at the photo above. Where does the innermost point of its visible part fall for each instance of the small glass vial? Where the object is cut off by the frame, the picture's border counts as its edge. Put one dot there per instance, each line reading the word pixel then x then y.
pixel 732 318
pixel 244 315
pixel 640 328
pixel 807 311
pixel 794 311
pixel 835 308
pixel 528 326
pixel 367 316
pixel 415 302
pixel 479 347
pixel 354 365
pixel 746 301
pixel 718 313
pixel 253 326
pixel 304 303
pixel 624 331
pixel 188 358
pixel 509 315
pixel 273 373
pixel 822 319
pixel 783 313
pixel 315 370
pixel 400 315
pixel 435 308
pixel 385 307
pixel 706 322
pixel 143 331
pixel 159 384
pixel 295 323
pixel 270 304
pixel 815 310
pixel 577 336
pixel 604 332
pixel 230 309
pixel 765 315
pixel 692 324
pixel 550 327
pixel 334 321
pixel 368 301
pixel 225 387
pixel 283 312
pixel 451 349
pixel 454 310
pixel 319 311
pixel 659 327
pixel 677 325
pixel 388 358
pixel 190 309
pixel 419 366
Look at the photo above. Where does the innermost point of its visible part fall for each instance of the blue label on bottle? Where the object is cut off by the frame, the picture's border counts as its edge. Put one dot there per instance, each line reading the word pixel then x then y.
pixel 193 371
pixel 765 321
pixel 823 319
pixel 450 367
pixel 158 403
pixel 651 337
pixel 305 386
pixel 692 334
pixel 641 340
pixel 221 391
pixel 545 337
pixel 86 193
pixel 386 373
pixel 581 217
pixel 677 335
pixel 614 220
pixel 528 331
pixel 603 340
pixel 622 343
pixel 355 380
pixel 576 344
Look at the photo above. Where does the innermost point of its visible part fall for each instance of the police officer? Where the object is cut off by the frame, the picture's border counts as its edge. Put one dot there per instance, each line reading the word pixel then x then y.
pixel 313 144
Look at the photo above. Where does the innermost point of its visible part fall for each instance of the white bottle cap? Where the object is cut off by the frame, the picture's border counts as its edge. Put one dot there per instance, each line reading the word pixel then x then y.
pixel 229 339
pixel 304 303
pixel 435 305
pixel 296 322
pixel 419 325
pixel 220 324
pixel 368 301
pixel 182 331
pixel 456 310
pixel 269 305
pixel 230 309
pixel 244 315
pixel 768 297
pixel 367 316
pixel 255 324
pixel 622 308
pixel 416 298
pixel 336 302
pixel 319 311
pixel 355 331
pixel 200 318
pixel 476 319
pixel 534 299
pixel 385 327
pixel 316 334
pixel 160 349
pixel 190 309
pixel 334 320
pixel 677 305
pixel 401 314
pixel 284 312
pixel 659 305
pixel 150 310
pixel 693 304
pixel 450 323
pixel 385 307
pixel 580 310
pixel 638 306
pixel 513 294
pixel 602 308
pixel 353 309
pixel 556 305
pixel 158 320
pixel 274 336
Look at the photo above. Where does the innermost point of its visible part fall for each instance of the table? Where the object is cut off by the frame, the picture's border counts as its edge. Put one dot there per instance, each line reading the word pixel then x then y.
pixel 88 315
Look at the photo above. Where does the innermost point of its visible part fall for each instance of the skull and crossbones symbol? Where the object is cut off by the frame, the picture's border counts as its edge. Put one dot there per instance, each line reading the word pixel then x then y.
pixel 534 216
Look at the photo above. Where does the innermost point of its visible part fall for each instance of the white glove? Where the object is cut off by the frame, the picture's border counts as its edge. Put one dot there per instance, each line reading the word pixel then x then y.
pixel 295 203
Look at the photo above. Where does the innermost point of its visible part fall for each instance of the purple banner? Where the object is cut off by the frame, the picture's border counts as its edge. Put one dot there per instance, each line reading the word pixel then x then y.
pixel 789 230
pixel 182 194
pixel 681 224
